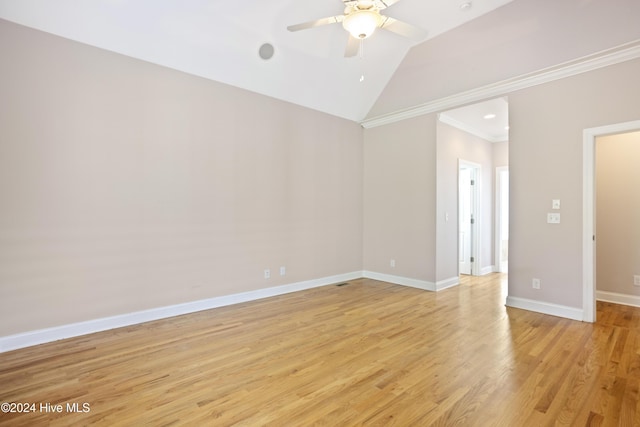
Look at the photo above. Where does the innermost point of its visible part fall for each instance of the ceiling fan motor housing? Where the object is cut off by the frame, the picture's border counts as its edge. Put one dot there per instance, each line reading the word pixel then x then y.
pixel 362 22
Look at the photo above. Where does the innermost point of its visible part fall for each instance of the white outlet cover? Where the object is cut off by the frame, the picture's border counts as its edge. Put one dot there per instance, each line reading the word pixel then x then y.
pixel 553 218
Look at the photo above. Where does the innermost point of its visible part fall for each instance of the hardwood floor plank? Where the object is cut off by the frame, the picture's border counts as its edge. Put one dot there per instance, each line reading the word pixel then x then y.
pixel 369 353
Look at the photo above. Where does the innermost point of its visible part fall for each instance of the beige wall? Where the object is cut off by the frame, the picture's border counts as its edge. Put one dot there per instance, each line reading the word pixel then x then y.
pixel 618 212
pixel 500 154
pixel 545 163
pixel 399 198
pixel 127 186
pixel 454 145
pixel 516 39
pixel 410 184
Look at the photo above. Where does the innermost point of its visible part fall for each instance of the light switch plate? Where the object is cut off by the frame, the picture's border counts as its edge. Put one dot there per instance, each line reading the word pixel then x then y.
pixel 555 204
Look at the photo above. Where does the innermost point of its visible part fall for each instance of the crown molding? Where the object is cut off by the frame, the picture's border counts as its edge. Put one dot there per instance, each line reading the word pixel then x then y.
pixel 622 53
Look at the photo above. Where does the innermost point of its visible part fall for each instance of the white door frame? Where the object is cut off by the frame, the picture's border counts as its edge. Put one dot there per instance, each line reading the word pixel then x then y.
pixel 475 212
pixel 588 211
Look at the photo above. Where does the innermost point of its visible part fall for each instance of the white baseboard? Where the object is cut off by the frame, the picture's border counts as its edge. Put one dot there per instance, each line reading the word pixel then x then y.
pixel 616 298
pixel 414 283
pixel 447 283
pixel 26 339
pixel 487 270
pixel 546 308
pixel 399 280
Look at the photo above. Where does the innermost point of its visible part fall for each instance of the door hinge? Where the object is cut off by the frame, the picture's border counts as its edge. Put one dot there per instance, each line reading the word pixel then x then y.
pixel 473 259
pixel 473 221
pixel 473 182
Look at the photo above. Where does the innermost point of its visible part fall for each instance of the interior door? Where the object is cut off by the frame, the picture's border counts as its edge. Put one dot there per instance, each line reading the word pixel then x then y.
pixel 464 220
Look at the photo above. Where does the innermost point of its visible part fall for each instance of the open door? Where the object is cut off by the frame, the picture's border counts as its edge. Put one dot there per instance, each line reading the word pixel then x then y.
pixel 467 217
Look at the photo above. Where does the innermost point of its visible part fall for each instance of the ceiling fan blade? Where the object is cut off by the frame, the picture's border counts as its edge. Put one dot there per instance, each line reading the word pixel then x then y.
pixel 353 46
pixel 403 29
pixel 388 3
pixel 316 23
pixel 380 4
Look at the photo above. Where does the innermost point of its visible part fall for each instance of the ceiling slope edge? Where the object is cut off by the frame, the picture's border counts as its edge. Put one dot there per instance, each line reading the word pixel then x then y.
pixel 618 54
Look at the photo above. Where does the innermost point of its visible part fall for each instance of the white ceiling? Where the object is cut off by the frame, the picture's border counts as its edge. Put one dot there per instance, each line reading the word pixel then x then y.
pixel 220 40
pixel 488 120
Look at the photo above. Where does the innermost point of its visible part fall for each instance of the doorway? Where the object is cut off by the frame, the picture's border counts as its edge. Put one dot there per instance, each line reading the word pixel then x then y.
pixel 588 211
pixel 468 238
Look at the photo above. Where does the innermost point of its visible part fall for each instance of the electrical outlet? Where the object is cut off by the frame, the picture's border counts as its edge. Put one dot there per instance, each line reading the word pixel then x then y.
pixel 392 263
pixel 267 274
pixel 553 218
pixel 636 280
pixel 283 270
pixel 535 283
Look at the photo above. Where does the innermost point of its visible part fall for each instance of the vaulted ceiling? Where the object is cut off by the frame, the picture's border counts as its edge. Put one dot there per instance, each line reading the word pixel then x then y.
pixel 470 44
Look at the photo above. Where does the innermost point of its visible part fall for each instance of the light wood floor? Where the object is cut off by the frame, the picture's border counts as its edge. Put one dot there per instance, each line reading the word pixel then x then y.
pixel 368 353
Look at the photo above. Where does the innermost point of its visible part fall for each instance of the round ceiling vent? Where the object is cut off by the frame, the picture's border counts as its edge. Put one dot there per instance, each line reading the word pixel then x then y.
pixel 266 51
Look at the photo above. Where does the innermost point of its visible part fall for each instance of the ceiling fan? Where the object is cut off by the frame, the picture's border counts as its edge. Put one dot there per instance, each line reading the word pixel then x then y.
pixel 360 19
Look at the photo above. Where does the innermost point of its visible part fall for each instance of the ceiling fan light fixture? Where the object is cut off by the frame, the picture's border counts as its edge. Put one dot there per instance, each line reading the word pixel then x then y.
pixel 361 23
